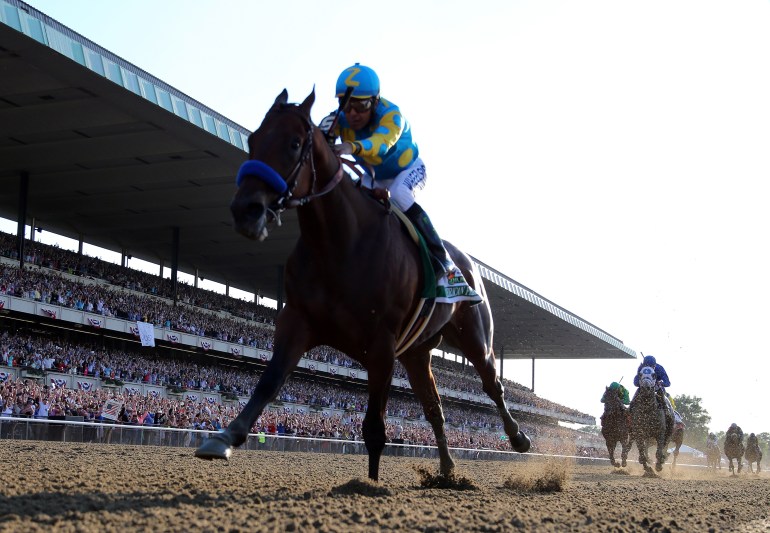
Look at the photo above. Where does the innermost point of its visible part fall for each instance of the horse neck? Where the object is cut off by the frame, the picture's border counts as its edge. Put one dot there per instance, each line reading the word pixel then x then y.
pixel 613 405
pixel 645 396
pixel 332 222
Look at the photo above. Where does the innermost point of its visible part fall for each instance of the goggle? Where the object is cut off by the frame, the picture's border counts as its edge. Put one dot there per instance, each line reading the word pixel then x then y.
pixel 358 105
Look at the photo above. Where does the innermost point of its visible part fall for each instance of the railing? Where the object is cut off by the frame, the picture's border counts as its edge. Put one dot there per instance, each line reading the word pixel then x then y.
pixel 73 429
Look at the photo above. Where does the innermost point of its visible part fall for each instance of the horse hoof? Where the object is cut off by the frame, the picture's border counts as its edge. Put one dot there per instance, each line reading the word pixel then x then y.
pixel 658 467
pixel 623 464
pixel 521 443
pixel 215 447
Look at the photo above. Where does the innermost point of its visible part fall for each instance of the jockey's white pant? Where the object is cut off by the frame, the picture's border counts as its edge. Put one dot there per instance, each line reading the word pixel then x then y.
pixel 402 188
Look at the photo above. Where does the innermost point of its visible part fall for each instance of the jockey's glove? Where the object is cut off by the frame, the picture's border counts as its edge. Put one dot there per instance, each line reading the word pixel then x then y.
pixel 345 148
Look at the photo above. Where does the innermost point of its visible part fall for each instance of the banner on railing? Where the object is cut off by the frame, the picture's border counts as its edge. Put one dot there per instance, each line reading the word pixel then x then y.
pixel 50 313
pixel 146 333
pixel 94 322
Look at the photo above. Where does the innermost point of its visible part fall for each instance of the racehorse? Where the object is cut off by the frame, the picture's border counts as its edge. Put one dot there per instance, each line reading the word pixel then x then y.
pixel 616 427
pixel 713 456
pixel 753 453
pixel 649 425
pixel 352 282
pixel 734 450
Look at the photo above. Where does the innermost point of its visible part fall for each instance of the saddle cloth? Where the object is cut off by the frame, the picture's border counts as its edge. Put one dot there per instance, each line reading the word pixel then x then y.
pixel 452 286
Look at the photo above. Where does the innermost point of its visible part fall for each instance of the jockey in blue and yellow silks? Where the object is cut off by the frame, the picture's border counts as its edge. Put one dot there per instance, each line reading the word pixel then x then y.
pixel 379 138
pixel 386 146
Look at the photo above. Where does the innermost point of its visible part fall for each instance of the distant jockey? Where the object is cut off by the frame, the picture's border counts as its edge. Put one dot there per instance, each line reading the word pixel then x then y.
pixel 618 389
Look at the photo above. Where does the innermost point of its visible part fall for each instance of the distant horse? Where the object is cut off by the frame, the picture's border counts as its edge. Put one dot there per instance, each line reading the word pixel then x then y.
pixel 353 282
pixel 753 453
pixel 616 426
pixel 713 456
pixel 734 450
pixel 649 425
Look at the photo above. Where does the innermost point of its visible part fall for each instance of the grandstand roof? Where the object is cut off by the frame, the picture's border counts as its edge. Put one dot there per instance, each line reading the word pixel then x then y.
pixel 118 158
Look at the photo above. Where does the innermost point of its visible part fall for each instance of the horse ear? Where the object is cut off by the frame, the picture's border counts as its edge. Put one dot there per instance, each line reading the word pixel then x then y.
pixel 308 103
pixel 282 98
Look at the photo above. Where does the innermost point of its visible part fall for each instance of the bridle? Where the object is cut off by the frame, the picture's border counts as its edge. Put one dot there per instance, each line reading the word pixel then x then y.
pixel 286 187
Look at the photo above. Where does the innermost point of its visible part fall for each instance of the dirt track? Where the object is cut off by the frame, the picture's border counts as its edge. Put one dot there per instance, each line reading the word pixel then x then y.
pixel 91 487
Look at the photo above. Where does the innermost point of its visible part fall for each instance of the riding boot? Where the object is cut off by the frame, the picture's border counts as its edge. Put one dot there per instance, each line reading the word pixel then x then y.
pixel 438 254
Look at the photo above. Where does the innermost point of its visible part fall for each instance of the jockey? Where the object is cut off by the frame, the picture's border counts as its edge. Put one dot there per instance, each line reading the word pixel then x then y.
pixel 618 389
pixel 661 382
pixel 660 373
pixel 379 138
pixel 736 430
pixel 711 441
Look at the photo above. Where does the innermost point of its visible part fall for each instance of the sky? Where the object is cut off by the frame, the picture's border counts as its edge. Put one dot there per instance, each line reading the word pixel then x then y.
pixel 608 155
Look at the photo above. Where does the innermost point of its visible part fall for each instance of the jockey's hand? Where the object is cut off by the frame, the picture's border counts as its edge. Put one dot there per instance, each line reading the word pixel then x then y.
pixel 345 148
pixel 327 123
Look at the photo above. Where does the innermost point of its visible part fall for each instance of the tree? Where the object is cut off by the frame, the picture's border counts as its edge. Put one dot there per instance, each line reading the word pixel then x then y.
pixel 596 430
pixel 696 420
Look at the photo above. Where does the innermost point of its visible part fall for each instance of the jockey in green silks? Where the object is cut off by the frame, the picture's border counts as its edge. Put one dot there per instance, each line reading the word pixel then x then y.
pixel 620 390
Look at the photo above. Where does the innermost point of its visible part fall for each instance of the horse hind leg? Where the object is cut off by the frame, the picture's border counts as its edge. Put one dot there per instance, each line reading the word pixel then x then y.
pixel 473 338
pixel 417 365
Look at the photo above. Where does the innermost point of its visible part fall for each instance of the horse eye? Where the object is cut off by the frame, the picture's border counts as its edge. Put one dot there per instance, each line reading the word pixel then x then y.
pixel 295 144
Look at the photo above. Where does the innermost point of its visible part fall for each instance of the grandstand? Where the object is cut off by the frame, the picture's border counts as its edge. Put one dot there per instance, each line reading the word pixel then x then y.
pixel 96 149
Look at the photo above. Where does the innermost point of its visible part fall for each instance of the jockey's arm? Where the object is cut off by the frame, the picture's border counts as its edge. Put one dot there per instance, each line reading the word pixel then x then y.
pixel 385 136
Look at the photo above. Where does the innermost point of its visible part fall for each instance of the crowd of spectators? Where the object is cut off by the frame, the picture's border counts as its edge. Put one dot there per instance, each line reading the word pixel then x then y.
pixel 135 295
pixel 473 427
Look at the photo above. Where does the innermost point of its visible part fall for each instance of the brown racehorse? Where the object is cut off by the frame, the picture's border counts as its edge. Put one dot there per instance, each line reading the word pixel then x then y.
pixel 616 427
pixel 352 282
pixel 753 453
pixel 734 449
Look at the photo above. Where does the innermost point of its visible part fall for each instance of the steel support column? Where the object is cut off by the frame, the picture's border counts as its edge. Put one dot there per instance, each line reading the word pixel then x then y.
pixel 21 217
pixel 533 374
pixel 174 261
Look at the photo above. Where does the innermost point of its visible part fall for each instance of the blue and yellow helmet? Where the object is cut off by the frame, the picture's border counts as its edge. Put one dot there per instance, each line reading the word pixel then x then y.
pixel 363 79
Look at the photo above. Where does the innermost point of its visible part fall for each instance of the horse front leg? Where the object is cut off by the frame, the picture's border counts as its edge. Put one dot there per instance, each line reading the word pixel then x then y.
pixel 660 453
pixel 417 365
pixel 611 452
pixel 291 341
pixel 625 447
pixel 641 444
pixel 380 370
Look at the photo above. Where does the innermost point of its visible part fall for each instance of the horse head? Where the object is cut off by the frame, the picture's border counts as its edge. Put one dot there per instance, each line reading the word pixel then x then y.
pixel 288 160
pixel 612 400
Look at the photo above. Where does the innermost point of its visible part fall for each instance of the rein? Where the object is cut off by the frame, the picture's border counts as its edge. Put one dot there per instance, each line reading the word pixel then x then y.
pixel 285 187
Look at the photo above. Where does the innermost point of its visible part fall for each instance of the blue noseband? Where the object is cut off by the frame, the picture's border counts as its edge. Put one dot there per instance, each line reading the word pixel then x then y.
pixel 264 172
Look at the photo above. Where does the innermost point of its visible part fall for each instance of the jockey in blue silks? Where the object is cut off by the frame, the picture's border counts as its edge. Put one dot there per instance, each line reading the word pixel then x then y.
pixel 660 373
pixel 661 382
